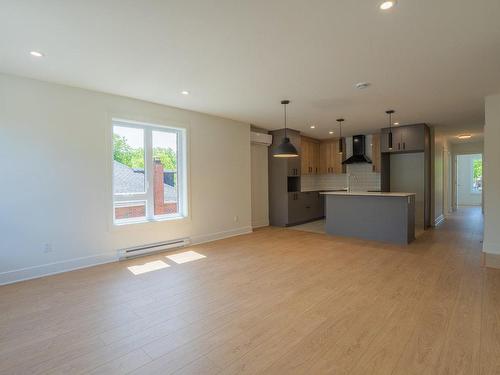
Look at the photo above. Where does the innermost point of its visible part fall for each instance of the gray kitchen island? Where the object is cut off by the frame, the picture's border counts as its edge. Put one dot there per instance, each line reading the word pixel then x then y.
pixel 388 217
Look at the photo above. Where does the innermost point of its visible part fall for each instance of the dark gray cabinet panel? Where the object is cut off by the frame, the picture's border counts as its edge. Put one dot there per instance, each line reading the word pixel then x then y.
pixel 304 207
pixel 288 207
pixel 295 208
pixel 410 138
pixel 413 138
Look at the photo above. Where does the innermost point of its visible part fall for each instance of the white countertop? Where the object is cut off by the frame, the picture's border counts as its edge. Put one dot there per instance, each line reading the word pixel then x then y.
pixel 363 193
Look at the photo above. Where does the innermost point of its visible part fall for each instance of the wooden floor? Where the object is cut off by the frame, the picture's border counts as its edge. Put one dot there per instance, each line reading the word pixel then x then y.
pixel 272 302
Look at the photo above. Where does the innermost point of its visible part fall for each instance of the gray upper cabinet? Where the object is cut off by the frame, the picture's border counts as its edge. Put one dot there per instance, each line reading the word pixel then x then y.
pixel 413 138
pixel 410 138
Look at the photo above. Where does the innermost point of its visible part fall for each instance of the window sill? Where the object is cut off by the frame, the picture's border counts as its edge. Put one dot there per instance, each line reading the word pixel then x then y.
pixel 149 221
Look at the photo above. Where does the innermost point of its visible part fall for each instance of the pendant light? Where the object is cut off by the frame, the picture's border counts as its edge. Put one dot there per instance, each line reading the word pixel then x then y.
pixel 390 112
pixel 285 149
pixel 341 142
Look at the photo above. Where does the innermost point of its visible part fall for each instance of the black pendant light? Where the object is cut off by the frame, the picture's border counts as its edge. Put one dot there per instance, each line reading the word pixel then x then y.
pixel 341 142
pixel 390 112
pixel 285 149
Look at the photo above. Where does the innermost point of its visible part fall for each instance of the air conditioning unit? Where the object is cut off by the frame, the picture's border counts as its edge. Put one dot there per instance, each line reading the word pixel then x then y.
pixel 261 138
pixel 137 251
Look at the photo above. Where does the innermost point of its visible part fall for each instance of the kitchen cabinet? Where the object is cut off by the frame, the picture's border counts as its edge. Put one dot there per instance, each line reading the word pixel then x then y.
pixel 413 138
pixel 295 208
pixel 330 159
pixel 303 207
pixel 287 204
pixel 409 138
pixel 309 156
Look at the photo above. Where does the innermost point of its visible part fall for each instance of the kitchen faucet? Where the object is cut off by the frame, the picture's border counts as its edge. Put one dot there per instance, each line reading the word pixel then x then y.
pixel 349 176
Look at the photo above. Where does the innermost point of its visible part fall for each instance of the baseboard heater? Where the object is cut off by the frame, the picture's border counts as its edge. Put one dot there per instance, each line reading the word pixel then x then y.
pixel 148 249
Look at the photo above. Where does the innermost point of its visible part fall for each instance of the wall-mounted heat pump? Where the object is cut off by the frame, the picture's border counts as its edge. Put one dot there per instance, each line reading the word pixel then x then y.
pixel 261 138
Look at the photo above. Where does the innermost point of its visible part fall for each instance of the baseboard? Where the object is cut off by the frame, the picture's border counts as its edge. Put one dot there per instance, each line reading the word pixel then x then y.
pixel 488 258
pixel 438 220
pixel 260 224
pixel 28 273
pixel 48 269
pixel 220 235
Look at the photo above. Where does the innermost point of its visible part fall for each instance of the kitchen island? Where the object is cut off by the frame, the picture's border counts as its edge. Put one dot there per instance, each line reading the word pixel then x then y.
pixel 378 216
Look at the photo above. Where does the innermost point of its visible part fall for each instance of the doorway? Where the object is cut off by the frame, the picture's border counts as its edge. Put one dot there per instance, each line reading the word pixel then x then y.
pixel 469 180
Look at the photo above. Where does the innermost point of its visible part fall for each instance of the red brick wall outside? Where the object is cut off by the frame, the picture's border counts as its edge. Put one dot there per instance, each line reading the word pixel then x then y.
pixel 160 207
pixel 130 212
pixel 139 211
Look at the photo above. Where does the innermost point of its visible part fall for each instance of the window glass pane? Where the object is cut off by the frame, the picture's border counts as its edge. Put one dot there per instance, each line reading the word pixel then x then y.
pixel 165 173
pixel 130 210
pixel 477 175
pixel 128 160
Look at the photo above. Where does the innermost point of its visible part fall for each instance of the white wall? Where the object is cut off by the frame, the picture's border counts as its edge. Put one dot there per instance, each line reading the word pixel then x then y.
pixel 465 196
pixel 491 190
pixel 55 147
pixel 260 186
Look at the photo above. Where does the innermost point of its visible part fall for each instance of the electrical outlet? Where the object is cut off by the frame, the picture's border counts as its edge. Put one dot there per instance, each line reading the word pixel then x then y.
pixel 47 248
pixel 236 219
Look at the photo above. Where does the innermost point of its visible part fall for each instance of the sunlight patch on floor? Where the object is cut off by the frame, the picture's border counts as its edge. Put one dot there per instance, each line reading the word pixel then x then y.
pixel 148 267
pixel 186 256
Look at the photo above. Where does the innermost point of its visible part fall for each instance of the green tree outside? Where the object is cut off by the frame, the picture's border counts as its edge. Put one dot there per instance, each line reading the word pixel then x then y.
pixel 134 157
pixel 477 168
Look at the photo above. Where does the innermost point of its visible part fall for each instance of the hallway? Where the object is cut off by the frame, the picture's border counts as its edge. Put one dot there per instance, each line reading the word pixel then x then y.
pixel 276 301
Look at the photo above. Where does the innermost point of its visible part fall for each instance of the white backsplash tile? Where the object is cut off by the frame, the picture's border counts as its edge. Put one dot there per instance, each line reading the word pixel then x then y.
pixel 362 179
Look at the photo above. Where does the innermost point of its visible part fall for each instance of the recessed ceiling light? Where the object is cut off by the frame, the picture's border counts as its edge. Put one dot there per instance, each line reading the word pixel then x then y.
pixel 387 4
pixel 362 85
pixel 330 132
pixel 185 92
pixel 36 54
pixel 396 123
pixel 464 136
pixel 313 127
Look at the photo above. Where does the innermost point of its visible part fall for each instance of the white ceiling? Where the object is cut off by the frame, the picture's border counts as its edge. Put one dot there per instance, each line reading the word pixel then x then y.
pixel 431 60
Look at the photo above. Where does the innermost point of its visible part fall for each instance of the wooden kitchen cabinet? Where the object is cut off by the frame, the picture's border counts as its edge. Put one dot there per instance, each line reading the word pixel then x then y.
pixel 330 159
pixel 310 156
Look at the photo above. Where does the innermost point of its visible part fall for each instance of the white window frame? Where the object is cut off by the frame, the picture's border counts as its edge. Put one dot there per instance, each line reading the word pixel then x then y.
pixel 148 194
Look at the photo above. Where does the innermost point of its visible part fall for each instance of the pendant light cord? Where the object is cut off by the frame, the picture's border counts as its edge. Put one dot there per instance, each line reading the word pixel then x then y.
pixel 390 112
pixel 285 117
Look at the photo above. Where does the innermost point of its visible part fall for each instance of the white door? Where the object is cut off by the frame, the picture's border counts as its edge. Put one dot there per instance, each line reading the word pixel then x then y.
pixel 469 181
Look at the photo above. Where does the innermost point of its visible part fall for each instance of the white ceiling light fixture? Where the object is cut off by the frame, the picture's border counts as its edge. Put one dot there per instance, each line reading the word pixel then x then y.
pixel 362 85
pixel 185 92
pixel 36 54
pixel 313 126
pixel 396 123
pixel 386 5
pixel 465 136
pixel 330 132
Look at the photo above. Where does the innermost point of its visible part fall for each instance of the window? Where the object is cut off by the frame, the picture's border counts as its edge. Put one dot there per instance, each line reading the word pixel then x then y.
pixel 477 175
pixel 149 172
